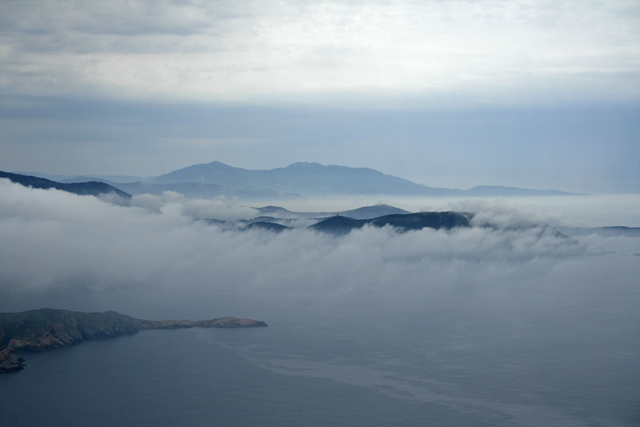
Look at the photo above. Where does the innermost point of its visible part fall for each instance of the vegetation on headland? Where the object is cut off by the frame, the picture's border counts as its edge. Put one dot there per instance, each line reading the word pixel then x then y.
pixel 49 329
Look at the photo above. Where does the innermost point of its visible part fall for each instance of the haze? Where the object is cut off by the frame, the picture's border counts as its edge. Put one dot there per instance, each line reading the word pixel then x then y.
pixel 451 94
pixel 446 94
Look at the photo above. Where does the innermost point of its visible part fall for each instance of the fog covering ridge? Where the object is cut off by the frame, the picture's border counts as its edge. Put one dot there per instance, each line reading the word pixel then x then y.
pixel 55 243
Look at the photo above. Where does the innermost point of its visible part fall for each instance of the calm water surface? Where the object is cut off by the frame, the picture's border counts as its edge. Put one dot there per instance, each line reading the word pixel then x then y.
pixel 444 365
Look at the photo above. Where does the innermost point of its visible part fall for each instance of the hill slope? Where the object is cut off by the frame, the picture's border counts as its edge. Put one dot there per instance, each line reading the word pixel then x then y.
pixel 417 221
pixel 92 188
pixel 48 329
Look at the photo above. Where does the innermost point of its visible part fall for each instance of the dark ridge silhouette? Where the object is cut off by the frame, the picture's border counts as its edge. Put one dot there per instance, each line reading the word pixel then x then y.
pixel 375 211
pixel 342 225
pixel 338 225
pixel 270 226
pixel 418 221
pixel 92 188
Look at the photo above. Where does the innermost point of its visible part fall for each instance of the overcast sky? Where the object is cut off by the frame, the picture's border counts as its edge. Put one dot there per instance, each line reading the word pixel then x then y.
pixel 538 94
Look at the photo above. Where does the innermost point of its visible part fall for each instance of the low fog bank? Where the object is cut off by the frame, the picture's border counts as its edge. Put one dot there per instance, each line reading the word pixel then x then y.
pixel 219 208
pixel 574 211
pixel 83 253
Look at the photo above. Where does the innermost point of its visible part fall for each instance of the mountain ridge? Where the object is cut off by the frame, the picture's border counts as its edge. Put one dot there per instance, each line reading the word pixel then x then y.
pixel 90 188
pixel 313 178
pixel 297 180
pixel 339 225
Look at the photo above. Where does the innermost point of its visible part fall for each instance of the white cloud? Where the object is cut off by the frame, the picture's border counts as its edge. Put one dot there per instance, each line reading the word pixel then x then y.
pixel 59 245
pixel 220 208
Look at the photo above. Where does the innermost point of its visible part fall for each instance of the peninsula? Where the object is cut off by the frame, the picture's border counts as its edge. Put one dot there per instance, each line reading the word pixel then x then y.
pixel 49 329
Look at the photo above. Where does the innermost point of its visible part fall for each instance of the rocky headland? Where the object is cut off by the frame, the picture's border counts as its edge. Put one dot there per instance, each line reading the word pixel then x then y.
pixel 49 329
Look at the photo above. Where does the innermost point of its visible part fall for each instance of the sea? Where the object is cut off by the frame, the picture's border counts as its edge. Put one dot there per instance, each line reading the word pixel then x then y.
pixel 327 361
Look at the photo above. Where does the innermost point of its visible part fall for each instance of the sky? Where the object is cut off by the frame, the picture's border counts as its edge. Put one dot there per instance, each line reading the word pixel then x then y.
pixel 535 94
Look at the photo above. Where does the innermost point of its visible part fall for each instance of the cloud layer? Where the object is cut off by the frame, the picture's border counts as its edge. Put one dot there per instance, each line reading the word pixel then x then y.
pixel 57 245
pixel 284 51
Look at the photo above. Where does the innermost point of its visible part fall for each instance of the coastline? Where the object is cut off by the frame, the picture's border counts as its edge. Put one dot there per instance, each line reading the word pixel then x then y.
pixel 49 329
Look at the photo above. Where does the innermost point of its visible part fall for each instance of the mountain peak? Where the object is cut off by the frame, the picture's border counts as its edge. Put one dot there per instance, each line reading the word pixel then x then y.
pixel 217 163
pixel 85 188
pixel 305 165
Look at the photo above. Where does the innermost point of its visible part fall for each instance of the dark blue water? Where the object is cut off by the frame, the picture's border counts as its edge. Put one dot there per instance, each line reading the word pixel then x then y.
pixel 444 365
pixel 144 380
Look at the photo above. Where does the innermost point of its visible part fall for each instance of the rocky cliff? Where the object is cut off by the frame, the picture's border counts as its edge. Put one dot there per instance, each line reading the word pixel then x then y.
pixel 48 329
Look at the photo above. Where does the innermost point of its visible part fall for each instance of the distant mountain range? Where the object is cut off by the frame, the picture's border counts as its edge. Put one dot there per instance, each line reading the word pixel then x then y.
pixel 300 179
pixel 343 222
pixel 316 179
pixel 304 178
